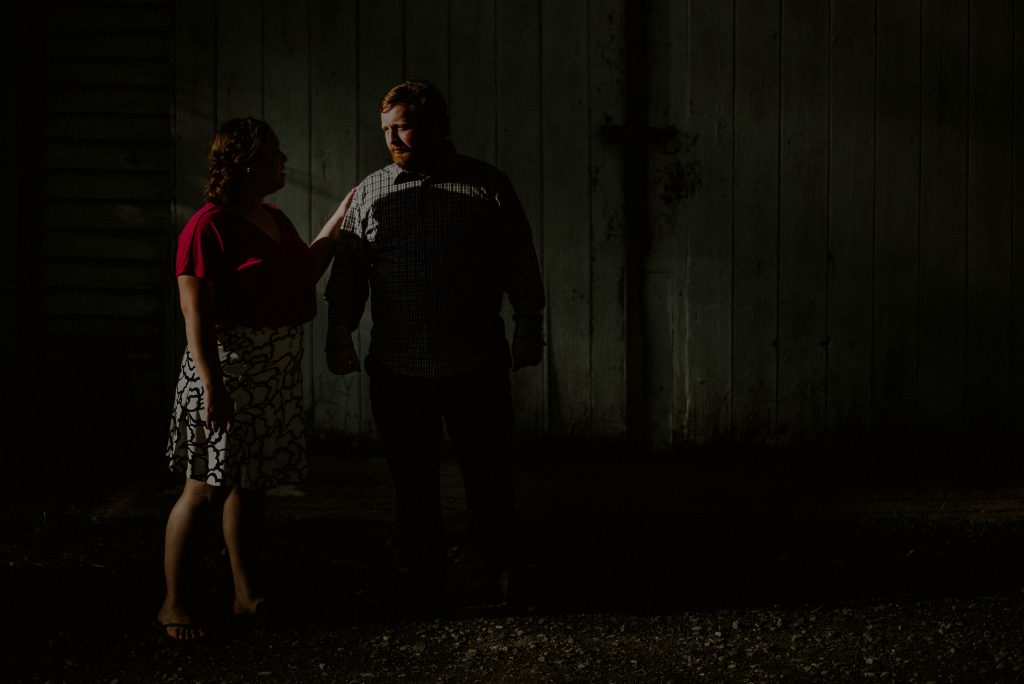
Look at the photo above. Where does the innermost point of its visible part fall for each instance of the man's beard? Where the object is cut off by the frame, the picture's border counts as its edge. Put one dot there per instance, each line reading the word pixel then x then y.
pixel 403 158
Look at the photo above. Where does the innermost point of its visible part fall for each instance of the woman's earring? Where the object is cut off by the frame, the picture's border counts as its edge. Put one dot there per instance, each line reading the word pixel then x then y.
pixel 248 170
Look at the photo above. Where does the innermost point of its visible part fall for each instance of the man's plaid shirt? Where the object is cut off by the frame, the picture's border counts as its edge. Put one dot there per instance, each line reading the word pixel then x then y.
pixel 437 253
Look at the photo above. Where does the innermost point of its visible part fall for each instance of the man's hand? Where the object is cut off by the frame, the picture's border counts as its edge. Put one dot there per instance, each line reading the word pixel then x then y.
pixel 526 353
pixel 342 360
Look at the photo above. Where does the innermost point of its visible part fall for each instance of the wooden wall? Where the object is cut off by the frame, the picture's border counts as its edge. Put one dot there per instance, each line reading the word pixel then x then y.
pixel 822 239
pixel 769 221
pixel 760 221
pixel 88 300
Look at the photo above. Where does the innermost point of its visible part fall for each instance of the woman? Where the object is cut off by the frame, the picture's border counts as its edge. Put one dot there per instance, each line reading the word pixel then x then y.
pixel 246 282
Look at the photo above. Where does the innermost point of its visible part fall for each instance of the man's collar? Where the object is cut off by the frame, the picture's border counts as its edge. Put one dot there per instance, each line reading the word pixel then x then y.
pixel 445 164
pixel 396 172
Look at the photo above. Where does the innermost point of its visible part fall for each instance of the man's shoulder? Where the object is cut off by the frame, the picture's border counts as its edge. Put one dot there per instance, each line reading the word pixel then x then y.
pixel 383 175
pixel 478 172
pixel 472 164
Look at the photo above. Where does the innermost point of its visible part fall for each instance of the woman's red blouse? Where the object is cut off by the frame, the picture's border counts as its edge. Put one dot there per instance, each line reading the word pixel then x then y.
pixel 258 281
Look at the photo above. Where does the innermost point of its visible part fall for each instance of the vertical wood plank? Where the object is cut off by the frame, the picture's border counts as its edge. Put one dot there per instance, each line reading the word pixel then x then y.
pixel 518 153
pixel 756 225
pixel 704 331
pixel 608 370
pixel 334 110
pixel 566 210
pixel 656 157
pixel 472 98
pixel 1017 377
pixel 195 120
pixel 989 276
pixel 195 103
pixel 15 116
pixel 381 66
pixel 680 181
pixel 803 227
pixel 658 348
pixel 23 334
pixel 851 219
pixel 944 37
pixel 286 89
pixel 428 42
pixel 239 59
pixel 897 193
pixel 286 108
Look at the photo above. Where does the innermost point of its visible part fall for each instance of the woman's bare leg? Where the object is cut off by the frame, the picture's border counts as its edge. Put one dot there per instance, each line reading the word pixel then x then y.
pixel 241 519
pixel 195 498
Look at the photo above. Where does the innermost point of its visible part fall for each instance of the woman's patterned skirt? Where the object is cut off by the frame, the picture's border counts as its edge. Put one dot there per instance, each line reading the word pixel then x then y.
pixel 266 446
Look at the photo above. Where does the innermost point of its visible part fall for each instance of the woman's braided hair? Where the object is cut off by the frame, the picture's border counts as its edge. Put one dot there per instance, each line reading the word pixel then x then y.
pixel 231 152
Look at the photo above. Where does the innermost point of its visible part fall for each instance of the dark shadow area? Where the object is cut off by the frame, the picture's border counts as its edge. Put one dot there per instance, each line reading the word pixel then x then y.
pixel 602 537
pixel 651 566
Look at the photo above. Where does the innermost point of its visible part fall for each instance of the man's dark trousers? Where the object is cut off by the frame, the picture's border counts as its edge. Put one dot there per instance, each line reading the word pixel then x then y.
pixel 411 414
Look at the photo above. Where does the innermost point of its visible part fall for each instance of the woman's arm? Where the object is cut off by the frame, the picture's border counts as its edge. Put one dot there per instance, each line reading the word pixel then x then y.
pixel 196 299
pixel 322 248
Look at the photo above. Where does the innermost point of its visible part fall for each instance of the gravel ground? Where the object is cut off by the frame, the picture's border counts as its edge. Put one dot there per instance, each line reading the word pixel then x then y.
pixel 940 640
pixel 620 596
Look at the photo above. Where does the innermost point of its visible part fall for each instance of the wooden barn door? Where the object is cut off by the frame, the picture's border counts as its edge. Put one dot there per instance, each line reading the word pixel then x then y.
pixel 829 243
pixel 760 221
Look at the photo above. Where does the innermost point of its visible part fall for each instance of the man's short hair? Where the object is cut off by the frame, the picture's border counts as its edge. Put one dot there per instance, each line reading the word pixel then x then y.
pixel 423 101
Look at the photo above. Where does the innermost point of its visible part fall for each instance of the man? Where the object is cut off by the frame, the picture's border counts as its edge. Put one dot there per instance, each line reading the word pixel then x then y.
pixel 438 239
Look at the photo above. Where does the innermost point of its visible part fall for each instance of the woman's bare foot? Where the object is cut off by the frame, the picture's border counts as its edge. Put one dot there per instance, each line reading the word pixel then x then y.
pixel 253 606
pixel 176 623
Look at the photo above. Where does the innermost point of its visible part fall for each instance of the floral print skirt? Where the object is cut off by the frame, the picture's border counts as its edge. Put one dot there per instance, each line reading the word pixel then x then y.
pixel 266 446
